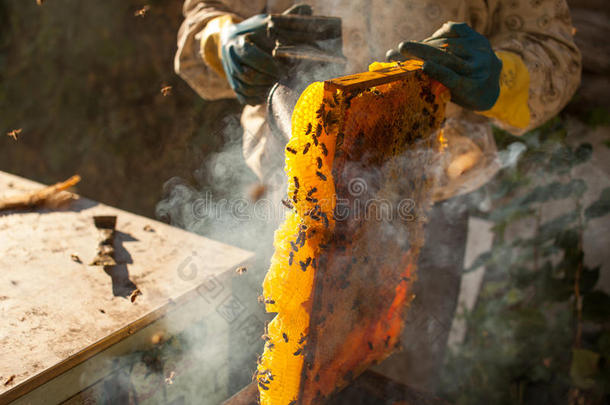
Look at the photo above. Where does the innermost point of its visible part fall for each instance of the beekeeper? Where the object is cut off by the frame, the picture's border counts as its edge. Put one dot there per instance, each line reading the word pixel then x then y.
pixel 512 63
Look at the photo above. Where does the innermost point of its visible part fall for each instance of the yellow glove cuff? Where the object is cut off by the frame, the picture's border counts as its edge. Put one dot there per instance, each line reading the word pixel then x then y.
pixel 511 106
pixel 210 42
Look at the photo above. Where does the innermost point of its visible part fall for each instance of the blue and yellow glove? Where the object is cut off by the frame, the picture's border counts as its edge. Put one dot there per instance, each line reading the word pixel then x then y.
pixel 249 67
pixel 462 60
pixel 241 52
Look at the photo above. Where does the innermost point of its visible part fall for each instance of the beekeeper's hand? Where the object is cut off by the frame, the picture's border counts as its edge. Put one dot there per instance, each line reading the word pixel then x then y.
pixel 462 60
pixel 245 54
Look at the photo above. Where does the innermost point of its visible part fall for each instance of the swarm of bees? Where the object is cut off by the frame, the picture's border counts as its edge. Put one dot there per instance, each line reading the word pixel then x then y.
pixel 142 12
pixel 13 134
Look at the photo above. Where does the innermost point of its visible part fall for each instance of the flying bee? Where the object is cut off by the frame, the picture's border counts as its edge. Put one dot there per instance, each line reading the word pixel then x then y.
pixel 166 91
pixel 289 149
pixel 142 12
pixel 324 150
pixel 306 149
pixel 13 134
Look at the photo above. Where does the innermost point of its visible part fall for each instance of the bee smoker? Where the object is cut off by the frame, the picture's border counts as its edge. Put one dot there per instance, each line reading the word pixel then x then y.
pixel 312 49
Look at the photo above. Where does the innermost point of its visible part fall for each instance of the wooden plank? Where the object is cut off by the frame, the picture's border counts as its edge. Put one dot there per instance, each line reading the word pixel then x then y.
pixel 60 312
pixel 365 80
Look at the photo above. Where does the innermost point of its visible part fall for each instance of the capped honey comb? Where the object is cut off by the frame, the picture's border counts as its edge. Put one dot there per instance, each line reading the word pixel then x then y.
pixel 359 166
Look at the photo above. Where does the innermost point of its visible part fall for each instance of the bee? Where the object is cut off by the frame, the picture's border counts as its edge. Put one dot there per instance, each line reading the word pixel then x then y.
pixel 306 149
pixel 289 149
pixel 320 175
pixel 311 199
pixel 75 258
pixel 319 130
pixel 142 12
pixel 10 380
pixel 290 258
pixel 340 137
pixel 324 150
pixel 305 264
pixel 370 345
pixel 263 386
pixel 319 160
pixel 293 402
pixel 320 111
pixel 315 139
pixel 298 352
pixel 325 218
pixel 241 270
pixel 302 339
pixel 13 134
pixel 134 295
pixel 287 204
pixel 313 190
pixel 285 336
pixel 269 301
pixel 308 129
pixel 303 226
pixel 260 299
pixel 166 91
pixel 296 182
pixel 295 195
pixel 301 239
pixel 294 246
pixel 265 337
pixel 169 380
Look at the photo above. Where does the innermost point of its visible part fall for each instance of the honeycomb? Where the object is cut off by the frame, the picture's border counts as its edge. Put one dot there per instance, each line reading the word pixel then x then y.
pixel 359 179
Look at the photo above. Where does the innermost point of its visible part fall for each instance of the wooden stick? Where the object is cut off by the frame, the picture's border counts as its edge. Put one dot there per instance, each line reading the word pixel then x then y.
pixel 38 198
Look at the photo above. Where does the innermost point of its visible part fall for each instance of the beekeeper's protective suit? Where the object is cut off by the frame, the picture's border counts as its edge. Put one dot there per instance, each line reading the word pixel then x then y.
pixel 513 63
